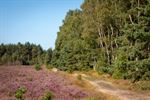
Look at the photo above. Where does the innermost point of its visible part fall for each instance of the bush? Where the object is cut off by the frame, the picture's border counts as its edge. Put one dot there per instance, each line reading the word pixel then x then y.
pixel 120 70
pixel 70 71
pixel 48 96
pixel 20 92
pixel 48 66
pixel 37 67
pixel 79 77
pixel 105 69
pixel 145 87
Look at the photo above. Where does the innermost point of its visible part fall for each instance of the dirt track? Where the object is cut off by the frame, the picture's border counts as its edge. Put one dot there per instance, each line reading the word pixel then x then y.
pixel 109 88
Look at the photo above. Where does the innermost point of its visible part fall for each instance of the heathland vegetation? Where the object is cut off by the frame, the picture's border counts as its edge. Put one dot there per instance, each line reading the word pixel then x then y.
pixel 108 36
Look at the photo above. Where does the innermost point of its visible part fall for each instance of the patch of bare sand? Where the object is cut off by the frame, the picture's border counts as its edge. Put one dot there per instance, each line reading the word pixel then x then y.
pixel 110 89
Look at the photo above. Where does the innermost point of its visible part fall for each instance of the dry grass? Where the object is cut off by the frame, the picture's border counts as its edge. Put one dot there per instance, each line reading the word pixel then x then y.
pixel 95 95
pixel 141 87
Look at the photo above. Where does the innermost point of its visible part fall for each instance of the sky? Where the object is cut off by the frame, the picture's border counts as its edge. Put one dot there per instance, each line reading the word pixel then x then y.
pixel 34 21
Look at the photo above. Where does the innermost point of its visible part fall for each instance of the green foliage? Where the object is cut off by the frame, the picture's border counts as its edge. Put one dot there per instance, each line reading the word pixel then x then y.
pixel 37 67
pixel 20 92
pixel 120 64
pixel 25 54
pixel 48 66
pixel 139 70
pixel 129 65
pixel 48 96
pixel 102 66
pixel 109 36
pixel 48 56
pixel 145 87
pixel 71 51
pixel 79 77
pixel 133 57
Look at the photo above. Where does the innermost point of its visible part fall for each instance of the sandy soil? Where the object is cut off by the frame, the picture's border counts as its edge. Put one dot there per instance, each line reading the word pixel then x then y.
pixel 110 89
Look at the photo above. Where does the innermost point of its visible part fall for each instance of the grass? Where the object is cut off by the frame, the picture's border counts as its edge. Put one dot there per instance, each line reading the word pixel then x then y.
pixel 95 95
pixel 141 85
pixel 124 84
pixel 120 83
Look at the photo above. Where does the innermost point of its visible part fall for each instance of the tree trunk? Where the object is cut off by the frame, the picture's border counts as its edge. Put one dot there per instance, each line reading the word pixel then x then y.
pixel 107 51
pixel 112 33
pixel 131 19
pixel 100 35
pixel 112 48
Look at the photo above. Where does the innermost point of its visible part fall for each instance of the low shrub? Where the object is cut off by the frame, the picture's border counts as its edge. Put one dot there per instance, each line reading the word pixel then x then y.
pixel 47 96
pixel 79 77
pixel 20 92
pixel 37 67
pixel 145 88
pixel 69 70
pixel 48 66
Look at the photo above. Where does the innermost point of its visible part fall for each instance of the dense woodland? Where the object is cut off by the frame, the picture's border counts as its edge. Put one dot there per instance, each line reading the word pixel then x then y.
pixel 24 54
pixel 109 36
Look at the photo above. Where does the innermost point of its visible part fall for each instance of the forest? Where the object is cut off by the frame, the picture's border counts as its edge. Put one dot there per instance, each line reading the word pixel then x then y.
pixel 108 36
pixel 24 54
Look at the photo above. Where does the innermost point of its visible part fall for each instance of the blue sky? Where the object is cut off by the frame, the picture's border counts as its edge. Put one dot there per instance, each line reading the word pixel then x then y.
pixel 36 21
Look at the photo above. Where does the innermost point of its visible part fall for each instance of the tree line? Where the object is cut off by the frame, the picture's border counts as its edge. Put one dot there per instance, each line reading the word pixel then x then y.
pixel 24 54
pixel 109 36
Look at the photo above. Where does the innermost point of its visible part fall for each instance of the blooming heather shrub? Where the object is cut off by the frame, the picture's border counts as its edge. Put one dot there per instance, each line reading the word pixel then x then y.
pixel 47 96
pixel 61 86
pixel 20 92
pixel 37 67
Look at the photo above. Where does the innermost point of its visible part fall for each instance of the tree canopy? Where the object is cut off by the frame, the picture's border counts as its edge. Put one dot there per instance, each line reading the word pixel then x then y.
pixel 25 54
pixel 109 36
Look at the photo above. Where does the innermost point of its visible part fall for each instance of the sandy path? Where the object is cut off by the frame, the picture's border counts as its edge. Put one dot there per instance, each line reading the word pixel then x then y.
pixel 109 88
